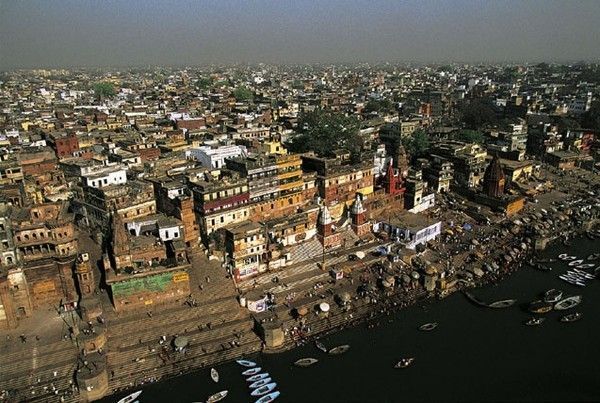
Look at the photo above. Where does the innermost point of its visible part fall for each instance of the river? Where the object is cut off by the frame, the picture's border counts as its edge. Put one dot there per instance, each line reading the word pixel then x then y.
pixel 475 354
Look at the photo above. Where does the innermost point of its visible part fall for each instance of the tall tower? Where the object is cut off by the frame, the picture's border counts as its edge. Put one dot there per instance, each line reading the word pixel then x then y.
pixel 121 251
pixel 393 180
pixel 360 225
pixel 494 179
pixel 325 234
pixel 402 161
pixel 85 275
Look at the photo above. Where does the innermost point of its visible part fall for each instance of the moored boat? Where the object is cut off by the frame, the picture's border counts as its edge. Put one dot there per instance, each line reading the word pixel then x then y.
pixel 252 371
pixel 572 317
pixel 339 349
pixel 568 303
pixel 246 363
pixel 217 397
pixel 502 304
pixel 305 362
pixel 542 267
pixel 535 321
pixel 540 307
pixel 269 398
pixel 585 266
pixel 428 326
pixel 258 377
pixel 320 346
pixel 553 295
pixel 259 383
pixel 562 256
pixel 404 362
pixel 575 262
pixel 214 375
pixel 264 389
pixel 130 398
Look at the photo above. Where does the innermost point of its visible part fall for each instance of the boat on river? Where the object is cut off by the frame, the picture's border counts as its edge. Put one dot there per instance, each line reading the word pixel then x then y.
pixel 568 303
pixel 264 389
pixel 252 371
pixel 404 362
pixel 320 346
pixel 130 398
pixel 540 307
pixel 217 397
pixel 427 327
pixel 594 256
pixel 553 295
pixel 542 267
pixel 260 383
pixel 502 304
pixel 258 377
pixel 246 363
pixel 306 362
pixel 339 349
pixel 572 317
pixel 535 321
pixel 575 262
pixel 268 398
pixel 214 375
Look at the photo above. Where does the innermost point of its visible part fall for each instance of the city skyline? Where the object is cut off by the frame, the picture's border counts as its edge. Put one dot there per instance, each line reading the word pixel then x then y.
pixel 113 33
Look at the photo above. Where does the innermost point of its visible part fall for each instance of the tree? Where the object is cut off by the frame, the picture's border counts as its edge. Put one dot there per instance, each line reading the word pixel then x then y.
pixel 324 131
pixel 478 113
pixel 470 136
pixel 242 94
pixel 204 83
pixel 417 143
pixel 375 105
pixel 591 118
pixel 104 90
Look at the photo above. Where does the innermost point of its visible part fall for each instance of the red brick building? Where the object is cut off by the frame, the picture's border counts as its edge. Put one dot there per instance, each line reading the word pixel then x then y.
pixel 63 144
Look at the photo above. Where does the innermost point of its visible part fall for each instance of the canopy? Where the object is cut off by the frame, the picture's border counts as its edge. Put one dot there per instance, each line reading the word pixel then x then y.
pixel 302 311
pixel 467 226
pixel 360 255
pixel 415 275
pixel 181 341
pixel 345 296
pixel 324 307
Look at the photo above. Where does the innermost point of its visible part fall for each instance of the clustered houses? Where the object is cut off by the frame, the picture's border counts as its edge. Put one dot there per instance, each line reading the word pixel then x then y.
pixel 170 164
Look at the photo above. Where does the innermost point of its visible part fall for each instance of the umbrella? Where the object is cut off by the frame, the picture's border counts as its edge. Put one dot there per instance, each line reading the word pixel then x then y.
pixel 344 297
pixel 181 341
pixel 360 255
pixel 324 307
pixel 415 275
pixel 302 311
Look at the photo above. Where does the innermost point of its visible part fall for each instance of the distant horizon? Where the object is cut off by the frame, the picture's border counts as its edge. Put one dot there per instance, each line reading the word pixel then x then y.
pixel 121 34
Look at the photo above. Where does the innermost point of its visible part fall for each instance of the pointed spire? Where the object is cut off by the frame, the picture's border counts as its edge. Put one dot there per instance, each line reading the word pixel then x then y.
pixel 324 216
pixel 357 207
pixel 120 242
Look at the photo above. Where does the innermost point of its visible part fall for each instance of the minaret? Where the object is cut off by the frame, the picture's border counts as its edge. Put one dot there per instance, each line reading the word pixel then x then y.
pixel 325 233
pixel 360 226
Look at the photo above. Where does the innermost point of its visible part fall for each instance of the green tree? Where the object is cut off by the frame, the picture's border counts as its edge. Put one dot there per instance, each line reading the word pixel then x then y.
pixel 204 83
pixel 242 94
pixel 417 143
pixel 470 136
pixel 104 90
pixel 324 131
pixel 591 118
pixel 477 114
pixel 374 105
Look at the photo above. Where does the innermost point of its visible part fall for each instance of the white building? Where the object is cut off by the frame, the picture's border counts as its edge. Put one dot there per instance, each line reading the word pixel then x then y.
pixel 214 157
pixel 410 229
pixel 101 176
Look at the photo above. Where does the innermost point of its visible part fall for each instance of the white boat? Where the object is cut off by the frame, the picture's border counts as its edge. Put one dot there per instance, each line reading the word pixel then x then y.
pixel 562 256
pixel 428 326
pixel 258 377
pixel 264 389
pixel 246 363
pixel 568 303
pixel 252 371
pixel 339 349
pixel 553 295
pixel 535 321
pixel 130 398
pixel 217 397
pixel 575 262
pixel 586 266
pixel 214 375
pixel 305 362
pixel 269 398
pixel 404 362
pixel 320 346
pixel 259 383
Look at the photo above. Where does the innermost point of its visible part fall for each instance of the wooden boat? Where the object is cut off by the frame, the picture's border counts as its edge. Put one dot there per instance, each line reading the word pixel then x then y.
pixel 404 362
pixel 585 266
pixel 130 398
pixel 246 363
pixel 214 375
pixel 217 397
pixel 540 307
pixel 305 362
pixel 552 295
pixel 258 377
pixel 268 398
pixel 575 262
pixel 568 303
pixel 428 326
pixel 535 321
pixel 260 383
pixel 264 389
pixel 320 346
pixel 502 304
pixel 252 371
pixel 572 317
pixel 339 349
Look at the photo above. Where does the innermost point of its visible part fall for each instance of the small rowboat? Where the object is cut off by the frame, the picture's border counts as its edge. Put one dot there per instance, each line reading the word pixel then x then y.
pixel 320 346
pixel 259 383
pixel 568 303
pixel 306 362
pixel 268 398
pixel 404 362
pixel 246 363
pixel 535 321
pixel 217 397
pixel 339 349
pixel 428 326
pixel 214 375
pixel 252 371
pixel 258 377
pixel 572 317
pixel 130 398
pixel 264 389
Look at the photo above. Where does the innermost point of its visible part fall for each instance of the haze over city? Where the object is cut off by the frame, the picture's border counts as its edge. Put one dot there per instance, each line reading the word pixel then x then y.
pixel 125 33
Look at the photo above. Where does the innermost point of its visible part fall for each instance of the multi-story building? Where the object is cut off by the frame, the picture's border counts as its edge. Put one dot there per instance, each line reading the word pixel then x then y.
pixel 469 161
pixel 213 157
pixel 439 174
pixel 246 246
pixel 63 144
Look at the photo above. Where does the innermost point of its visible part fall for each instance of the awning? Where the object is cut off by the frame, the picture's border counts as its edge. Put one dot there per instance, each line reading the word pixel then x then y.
pixel 324 307
pixel 181 341
pixel 360 255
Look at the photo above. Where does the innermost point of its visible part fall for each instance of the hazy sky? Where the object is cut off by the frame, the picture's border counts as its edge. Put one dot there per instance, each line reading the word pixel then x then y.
pixel 50 33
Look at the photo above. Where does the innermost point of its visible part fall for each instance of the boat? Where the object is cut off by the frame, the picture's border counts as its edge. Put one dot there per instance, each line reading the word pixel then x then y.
pixel 258 377
pixel 217 397
pixel 535 321
pixel 339 349
pixel 268 398
pixel 552 295
pixel 320 346
pixel 260 383
pixel 246 363
pixel 542 267
pixel 585 266
pixel 306 362
pixel 428 326
pixel 502 304
pixel 575 262
pixel 590 235
pixel 214 375
pixel 594 256
pixel 540 307
pixel 252 371
pixel 130 398
pixel 568 303
pixel 584 274
pixel 264 389
pixel 563 256
pixel 572 317
pixel 404 362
